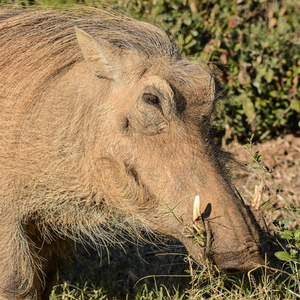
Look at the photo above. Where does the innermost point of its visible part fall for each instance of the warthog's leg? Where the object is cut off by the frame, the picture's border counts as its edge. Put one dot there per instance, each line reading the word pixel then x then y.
pixel 28 262
pixel 16 265
pixel 49 252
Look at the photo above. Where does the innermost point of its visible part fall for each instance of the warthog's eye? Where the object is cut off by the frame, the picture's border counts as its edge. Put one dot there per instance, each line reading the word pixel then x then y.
pixel 152 99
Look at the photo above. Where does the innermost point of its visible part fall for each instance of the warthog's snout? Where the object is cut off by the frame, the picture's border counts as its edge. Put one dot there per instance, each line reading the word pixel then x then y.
pixel 230 245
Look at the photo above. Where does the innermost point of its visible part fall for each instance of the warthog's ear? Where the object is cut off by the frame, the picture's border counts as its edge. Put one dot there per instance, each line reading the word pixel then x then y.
pixel 101 56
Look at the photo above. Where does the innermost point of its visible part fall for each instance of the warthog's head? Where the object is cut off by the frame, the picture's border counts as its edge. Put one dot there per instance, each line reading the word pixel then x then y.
pixel 155 152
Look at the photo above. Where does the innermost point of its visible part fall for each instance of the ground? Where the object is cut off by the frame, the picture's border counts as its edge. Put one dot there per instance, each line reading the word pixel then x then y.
pixel 282 157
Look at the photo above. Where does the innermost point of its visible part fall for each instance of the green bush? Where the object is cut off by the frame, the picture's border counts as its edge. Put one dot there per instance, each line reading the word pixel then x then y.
pixel 256 45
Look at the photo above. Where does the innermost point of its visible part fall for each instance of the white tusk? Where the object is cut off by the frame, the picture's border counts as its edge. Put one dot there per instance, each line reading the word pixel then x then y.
pixel 196 210
pixel 255 202
pixel 198 224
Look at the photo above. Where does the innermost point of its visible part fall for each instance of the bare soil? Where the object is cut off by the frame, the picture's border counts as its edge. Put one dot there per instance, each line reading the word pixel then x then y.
pixel 282 157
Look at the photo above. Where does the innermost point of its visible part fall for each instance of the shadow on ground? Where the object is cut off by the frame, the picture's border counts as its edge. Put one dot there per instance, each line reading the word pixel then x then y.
pixel 123 271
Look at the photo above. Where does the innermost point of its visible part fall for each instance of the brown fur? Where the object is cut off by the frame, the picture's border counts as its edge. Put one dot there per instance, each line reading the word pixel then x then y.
pixel 82 156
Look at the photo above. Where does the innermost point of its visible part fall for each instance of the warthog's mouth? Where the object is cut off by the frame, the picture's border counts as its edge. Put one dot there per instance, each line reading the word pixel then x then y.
pixel 237 263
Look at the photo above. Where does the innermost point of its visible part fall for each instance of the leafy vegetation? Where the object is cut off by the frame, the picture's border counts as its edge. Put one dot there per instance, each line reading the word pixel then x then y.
pixel 256 46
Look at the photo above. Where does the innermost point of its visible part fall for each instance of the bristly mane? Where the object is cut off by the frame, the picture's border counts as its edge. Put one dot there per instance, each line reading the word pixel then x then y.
pixel 50 43
pixel 116 28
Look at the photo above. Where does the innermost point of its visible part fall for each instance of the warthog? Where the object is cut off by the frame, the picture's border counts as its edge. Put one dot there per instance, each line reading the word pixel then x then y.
pixel 105 130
